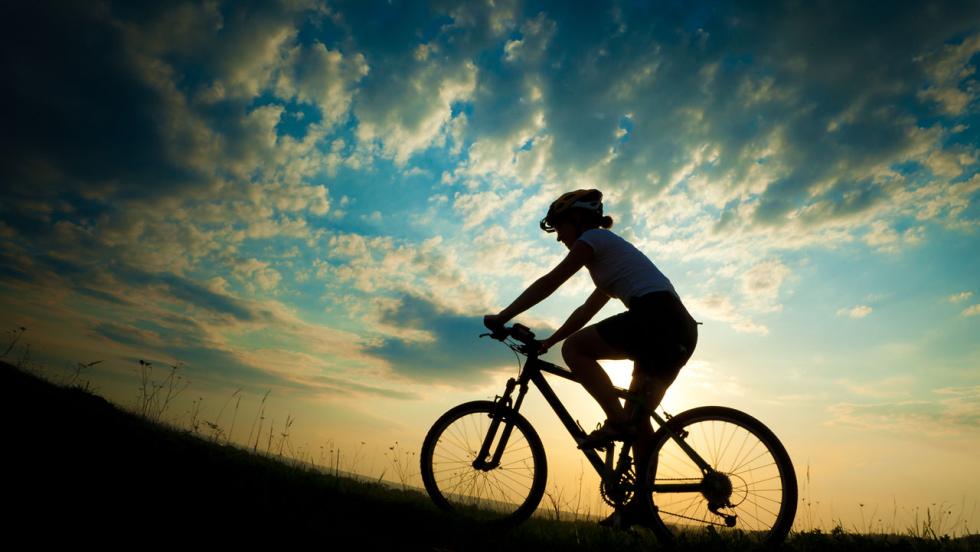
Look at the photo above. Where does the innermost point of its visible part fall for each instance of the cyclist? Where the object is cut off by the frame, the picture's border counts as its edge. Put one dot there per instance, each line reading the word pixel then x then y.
pixel 656 331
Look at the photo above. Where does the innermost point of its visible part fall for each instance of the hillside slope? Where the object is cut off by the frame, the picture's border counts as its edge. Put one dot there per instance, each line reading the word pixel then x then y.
pixel 78 467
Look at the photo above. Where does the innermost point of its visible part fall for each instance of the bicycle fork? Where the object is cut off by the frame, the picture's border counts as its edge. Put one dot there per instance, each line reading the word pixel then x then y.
pixel 484 461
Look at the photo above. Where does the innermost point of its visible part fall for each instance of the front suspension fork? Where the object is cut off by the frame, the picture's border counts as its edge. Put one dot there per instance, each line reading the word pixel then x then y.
pixel 484 461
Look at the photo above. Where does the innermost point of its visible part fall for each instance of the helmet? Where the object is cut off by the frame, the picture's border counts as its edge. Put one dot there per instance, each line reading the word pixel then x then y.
pixel 579 199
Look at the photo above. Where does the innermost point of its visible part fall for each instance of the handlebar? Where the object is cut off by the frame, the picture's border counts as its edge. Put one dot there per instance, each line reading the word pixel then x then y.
pixel 517 331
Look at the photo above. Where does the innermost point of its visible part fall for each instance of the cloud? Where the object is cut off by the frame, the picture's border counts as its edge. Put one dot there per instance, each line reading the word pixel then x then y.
pixel 859 311
pixel 883 237
pixel 946 411
pixel 326 78
pixel 888 388
pixel 949 69
pixel 451 353
pixel 409 114
pixel 127 335
pixel 382 264
pixel 960 297
pixel 476 208
pixel 310 374
pixel 762 282
pixel 187 291
pixel 720 307
pixel 254 270
pixel 973 310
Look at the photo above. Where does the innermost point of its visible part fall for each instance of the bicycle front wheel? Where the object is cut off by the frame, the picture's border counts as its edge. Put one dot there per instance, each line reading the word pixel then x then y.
pixel 750 485
pixel 505 491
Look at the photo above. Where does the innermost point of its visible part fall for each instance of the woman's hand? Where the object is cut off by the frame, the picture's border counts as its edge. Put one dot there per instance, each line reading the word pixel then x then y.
pixel 494 322
pixel 545 345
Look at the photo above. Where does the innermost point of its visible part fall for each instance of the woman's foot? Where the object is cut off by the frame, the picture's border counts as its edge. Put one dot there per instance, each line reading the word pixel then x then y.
pixel 625 517
pixel 609 432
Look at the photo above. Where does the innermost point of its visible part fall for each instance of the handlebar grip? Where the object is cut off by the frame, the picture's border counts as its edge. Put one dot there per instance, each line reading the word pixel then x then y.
pixel 499 333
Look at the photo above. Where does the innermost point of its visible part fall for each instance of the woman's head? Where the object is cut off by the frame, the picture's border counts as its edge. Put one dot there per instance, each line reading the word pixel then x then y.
pixel 574 213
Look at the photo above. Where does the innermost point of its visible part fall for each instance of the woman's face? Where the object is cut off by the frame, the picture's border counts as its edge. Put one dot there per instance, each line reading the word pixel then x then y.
pixel 567 233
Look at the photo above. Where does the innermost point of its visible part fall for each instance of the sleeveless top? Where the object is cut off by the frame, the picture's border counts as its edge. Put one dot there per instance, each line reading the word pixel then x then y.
pixel 621 270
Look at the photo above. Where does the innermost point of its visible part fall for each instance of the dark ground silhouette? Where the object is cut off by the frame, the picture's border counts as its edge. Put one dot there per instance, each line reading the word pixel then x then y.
pixel 79 470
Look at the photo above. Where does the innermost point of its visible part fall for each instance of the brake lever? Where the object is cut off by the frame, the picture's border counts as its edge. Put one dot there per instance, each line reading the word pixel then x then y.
pixel 498 336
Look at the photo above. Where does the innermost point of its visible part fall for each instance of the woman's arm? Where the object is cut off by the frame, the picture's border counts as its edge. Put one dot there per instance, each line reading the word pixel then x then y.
pixel 580 254
pixel 579 318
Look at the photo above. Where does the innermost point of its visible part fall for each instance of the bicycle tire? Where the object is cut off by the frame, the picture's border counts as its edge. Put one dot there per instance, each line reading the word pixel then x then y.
pixel 501 496
pixel 762 481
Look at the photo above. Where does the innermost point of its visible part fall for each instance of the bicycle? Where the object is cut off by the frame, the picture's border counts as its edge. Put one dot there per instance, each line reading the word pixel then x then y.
pixel 708 467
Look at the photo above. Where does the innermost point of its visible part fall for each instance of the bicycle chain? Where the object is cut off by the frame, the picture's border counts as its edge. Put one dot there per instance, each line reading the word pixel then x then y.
pixel 705 521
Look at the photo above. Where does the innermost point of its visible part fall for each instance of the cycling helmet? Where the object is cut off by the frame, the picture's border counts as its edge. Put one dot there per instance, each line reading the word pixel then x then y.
pixel 590 200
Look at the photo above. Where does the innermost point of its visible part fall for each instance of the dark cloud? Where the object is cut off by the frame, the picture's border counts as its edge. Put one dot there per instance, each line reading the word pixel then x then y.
pixel 682 71
pixel 116 282
pixel 455 355
pixel 185 290
pixel 219 365
pixel 126 335
pixel 74 113
pixel 103 296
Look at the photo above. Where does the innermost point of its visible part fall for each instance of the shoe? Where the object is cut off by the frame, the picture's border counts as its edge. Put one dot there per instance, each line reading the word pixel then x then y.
pixel 614 521
pixel 624 518
pixel 609 432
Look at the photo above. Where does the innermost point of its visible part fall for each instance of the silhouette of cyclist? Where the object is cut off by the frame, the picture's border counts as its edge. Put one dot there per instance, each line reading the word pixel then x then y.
pixel 656 331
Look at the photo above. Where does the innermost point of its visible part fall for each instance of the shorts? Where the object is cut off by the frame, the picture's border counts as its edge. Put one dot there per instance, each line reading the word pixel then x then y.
pixel 657 333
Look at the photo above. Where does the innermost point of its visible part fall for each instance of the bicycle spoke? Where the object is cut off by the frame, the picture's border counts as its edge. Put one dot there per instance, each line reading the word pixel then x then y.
pixel 732 436
pixel 753 469
pixel 747 462
pixel 501 483
pixel 748 452
pixel 694 503
pixel 758 507
pixel 745 512
pixel 763 497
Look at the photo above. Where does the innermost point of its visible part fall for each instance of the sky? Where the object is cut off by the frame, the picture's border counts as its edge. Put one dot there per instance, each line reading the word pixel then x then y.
pixel 316 203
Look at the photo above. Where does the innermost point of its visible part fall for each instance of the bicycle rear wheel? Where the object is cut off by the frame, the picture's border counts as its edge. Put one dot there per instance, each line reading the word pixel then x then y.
pixel 750 488
pixel 503 493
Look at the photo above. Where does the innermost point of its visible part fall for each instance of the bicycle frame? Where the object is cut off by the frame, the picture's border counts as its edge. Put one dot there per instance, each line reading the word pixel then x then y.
pixel 533 372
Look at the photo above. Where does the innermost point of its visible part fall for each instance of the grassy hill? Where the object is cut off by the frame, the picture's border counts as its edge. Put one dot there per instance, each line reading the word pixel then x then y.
pixel 79 469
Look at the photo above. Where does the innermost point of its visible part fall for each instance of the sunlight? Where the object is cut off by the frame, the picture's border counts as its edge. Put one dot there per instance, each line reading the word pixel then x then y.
pixel 679 396
pixel 620 371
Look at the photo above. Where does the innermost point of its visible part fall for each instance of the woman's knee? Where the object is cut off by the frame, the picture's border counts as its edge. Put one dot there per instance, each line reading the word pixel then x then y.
pixel 575 347
pixel 570 350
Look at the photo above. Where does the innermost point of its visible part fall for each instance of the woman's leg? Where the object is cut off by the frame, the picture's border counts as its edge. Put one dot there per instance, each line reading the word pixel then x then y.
pixel 581 352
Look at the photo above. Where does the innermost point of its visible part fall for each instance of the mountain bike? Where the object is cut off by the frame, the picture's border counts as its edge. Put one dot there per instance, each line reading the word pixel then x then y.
pixel 708 467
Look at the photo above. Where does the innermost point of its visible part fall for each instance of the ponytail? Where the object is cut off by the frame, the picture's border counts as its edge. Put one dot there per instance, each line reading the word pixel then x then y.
pixel 606 222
